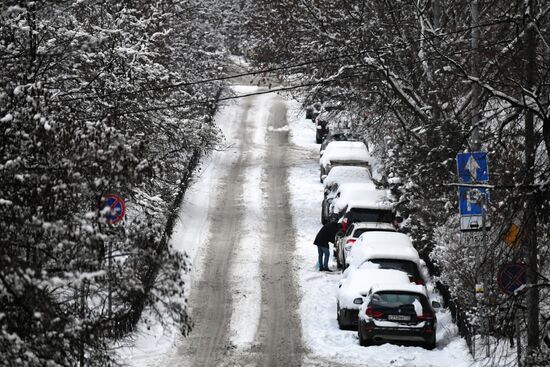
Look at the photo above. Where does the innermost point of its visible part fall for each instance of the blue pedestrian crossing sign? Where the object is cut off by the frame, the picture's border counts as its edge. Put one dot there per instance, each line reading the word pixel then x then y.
pixel 472 167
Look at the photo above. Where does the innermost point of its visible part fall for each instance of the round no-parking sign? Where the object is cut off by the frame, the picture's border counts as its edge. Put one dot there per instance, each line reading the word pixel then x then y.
pixel 116 210
pixel 512 276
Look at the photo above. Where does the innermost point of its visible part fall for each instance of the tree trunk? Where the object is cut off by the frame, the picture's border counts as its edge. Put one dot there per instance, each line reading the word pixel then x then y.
pixel 530 240
pixel 475 141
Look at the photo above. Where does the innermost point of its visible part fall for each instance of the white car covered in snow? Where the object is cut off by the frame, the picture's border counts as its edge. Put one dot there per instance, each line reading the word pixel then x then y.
pixel 358 194
pixel 346 174
pixel 353 288
pixel 346 240
pixel 390 250
pixel 344 191
pixel 394 312
pixel 344 153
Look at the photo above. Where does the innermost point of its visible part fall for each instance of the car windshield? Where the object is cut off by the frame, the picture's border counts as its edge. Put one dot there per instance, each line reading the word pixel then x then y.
pixel 406 266
pixel 399 302
pixel 370 215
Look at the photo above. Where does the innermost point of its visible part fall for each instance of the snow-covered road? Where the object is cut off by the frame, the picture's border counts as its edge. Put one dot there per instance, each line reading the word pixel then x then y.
pixel 247 224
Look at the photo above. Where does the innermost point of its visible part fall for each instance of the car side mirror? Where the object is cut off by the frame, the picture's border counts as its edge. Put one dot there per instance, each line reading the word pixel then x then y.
pixel 436 304
pixel 358 301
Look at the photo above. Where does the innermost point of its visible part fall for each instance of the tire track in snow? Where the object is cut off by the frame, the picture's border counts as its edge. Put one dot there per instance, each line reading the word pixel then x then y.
pixel 279 334
pixel 210 302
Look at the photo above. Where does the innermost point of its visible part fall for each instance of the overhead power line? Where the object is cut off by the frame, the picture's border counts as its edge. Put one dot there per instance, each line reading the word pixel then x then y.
pixel 391 47
pixel 208 101
pixel 302 85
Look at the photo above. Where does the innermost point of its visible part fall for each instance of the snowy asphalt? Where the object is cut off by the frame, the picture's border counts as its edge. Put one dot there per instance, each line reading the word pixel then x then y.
pixel 247 224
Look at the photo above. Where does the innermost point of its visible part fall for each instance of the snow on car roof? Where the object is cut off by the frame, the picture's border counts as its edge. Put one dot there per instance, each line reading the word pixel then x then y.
pixel 347 174
pixel 360 281
pixel 363 251
pixel 361 195
pixel 383 238
pixel 346 151
pixel 363 279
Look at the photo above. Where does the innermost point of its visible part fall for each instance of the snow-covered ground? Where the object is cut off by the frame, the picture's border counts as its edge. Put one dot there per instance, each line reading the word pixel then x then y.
pixel 321 335
pixel 320 329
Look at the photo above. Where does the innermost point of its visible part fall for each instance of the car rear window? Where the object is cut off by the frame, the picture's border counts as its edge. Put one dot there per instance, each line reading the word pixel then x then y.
pixel 406 266
pixel 358 232
pixel 371 215
pixel 393 301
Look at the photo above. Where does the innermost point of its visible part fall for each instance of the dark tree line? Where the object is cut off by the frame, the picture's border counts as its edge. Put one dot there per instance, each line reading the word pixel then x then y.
pixel 83 93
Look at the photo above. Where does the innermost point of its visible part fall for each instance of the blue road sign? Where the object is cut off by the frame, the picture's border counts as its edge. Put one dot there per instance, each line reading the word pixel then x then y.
pixel 472 200
pixel 472 167
pixel 117 209
pixel 512 276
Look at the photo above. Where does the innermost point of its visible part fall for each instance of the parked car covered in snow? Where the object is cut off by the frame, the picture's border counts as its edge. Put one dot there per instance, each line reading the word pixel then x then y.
pixel 353 288
pixel 345 241
pixel 343 135
pixel 397 313
pixel 356 194
pixel 345 174
pixel 359 203
pixel 389 250
pixel 344 153
pixel 360 188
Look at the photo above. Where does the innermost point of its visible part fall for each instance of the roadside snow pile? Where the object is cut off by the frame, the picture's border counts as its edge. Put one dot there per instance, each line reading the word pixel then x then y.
pixel 320 330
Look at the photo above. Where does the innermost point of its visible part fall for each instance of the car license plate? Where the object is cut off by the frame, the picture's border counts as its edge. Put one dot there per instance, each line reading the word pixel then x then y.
pixel 399 317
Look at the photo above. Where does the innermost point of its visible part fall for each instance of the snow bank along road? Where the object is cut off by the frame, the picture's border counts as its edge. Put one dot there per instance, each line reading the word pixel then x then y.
pixel 247 223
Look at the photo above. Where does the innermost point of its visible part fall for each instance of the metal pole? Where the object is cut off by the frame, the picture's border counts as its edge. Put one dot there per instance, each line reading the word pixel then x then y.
pixel 109 297
pixel 518 338
pixel 475 139
pixel 484 207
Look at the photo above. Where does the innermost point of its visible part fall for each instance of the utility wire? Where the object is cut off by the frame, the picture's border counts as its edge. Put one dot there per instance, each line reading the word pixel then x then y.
pixel 208 101
pixel 391 47
pixel 303 85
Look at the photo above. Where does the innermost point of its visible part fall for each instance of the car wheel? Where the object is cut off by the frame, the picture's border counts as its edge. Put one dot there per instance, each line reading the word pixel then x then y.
pixel 430 344
pixel 362 341
pixel 344 266
pixel 339 318
pixel 318 138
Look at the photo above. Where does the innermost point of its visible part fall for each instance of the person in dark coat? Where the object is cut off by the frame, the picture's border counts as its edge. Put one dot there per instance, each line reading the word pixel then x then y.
pixel 326 234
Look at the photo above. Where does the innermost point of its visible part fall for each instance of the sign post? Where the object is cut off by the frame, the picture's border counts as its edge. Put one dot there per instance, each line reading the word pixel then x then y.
pixel 112 208
pixel 473 194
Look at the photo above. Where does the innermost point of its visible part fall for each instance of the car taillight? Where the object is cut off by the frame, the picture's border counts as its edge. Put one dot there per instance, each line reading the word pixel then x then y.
pixel 425 316
pixel 350 241
pixel 416 280
pixel 374 314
